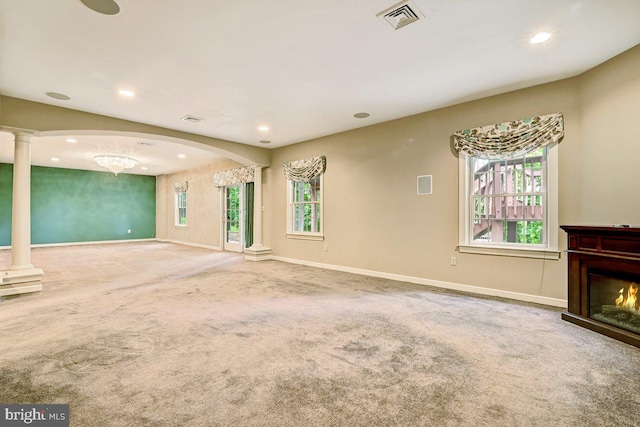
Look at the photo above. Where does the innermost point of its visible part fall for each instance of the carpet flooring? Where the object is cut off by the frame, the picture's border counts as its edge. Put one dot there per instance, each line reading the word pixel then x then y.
pixel 157 334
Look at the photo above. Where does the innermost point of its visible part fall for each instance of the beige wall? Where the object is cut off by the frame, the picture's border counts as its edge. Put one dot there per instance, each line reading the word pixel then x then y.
pixel 610 141
pixel 203 206
pixel 373 218
pixel 375 221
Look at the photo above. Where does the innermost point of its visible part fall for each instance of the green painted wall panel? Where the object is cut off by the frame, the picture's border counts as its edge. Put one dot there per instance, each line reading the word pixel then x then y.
pixel 69 205
pixel 6 190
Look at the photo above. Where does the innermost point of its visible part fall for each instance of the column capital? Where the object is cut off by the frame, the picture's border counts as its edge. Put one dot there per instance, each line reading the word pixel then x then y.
pixel 15 131
pixel 23 136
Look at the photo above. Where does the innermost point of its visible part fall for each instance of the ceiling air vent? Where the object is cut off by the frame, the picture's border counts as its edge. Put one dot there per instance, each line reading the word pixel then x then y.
pixel 401 14
pixel 191 119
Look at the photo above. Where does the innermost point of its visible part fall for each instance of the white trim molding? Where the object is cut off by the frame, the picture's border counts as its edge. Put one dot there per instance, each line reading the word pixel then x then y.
pixel 304 235
pixel 15 282
pixel 100 242
pixel 554 302
pixel 108 242
pixel 196 245
pixel 547 251
pixel 507 251
pixel 307 236
pixel 103 242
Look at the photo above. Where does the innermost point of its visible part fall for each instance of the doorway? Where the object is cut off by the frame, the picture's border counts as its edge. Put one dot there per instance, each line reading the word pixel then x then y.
pixel 233 215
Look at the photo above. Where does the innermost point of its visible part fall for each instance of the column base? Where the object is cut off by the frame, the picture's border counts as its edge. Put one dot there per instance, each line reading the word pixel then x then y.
pixel 15 282
pixel 257 253
pixel 21 267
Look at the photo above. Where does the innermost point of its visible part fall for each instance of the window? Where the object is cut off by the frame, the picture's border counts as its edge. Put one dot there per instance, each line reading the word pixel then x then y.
pixel 305 209
pixel 181 209
pixel 509 207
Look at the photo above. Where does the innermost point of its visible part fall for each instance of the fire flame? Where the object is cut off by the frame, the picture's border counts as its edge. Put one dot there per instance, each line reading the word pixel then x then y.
pixel 630 302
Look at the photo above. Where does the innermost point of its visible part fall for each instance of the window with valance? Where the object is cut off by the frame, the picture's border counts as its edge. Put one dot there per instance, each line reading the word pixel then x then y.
pixel 304 189
pixel 508 186
pixel 245 177
pixel 234 176
pixel 305 170
pixel 510 139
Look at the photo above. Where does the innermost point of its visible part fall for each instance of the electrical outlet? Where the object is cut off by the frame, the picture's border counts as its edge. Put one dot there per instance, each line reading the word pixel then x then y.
pixel 454 261
pixel 326 248
pixel 129 231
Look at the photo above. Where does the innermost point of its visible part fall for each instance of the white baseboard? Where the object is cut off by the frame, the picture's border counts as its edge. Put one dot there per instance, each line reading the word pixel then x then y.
pixel 105 242
pixel 197 245
pixel 100 242
pixel 436 283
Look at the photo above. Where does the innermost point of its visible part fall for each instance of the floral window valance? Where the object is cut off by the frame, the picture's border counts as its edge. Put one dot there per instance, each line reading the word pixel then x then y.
pixel 510 139
pixel 181 187
pixel 234 176
pixel 305 170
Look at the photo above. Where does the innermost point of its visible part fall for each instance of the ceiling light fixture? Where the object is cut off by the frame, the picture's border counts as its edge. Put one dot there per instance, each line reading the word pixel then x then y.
pixel 105 7
pixel 264 141
pixel 263 128
pixel 191 119
pixel 55 159
pixel 144 168
pixel 72 140
pixel 540 38
pixel 115 163
pixel 182 156
pixel 127 93
pixel 361 115
pixel 56 95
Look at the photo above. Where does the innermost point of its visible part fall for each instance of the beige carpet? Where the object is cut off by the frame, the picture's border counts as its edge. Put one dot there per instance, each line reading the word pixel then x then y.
pixel 155 334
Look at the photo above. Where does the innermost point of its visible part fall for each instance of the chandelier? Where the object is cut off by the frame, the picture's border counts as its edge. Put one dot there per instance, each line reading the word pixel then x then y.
pixel 114 163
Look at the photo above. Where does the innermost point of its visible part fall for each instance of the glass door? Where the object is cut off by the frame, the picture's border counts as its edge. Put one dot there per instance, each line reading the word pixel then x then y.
pixel 233 219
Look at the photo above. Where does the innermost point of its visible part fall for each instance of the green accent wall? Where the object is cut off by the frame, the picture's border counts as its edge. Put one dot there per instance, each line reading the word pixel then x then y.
pixel 69 205
pixel 6 190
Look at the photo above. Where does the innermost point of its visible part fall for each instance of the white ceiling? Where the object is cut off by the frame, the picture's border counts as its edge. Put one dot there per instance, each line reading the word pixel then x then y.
pixel 303 68
pixel 158 157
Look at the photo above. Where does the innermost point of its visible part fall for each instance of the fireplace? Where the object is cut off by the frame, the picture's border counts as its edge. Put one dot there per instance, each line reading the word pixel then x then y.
pixel 604 280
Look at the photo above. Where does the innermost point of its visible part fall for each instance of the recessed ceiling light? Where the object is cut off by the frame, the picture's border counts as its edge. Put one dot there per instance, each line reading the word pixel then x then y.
pixel 540 38
pixel 264 141
pixel 361 115
pixel 263 128
pixel 56 95
pixel 127 92
pixel 106 7
pixel 72 140
pixel 55 159
pixel 192 119
pixel 144 168
pixel 182 156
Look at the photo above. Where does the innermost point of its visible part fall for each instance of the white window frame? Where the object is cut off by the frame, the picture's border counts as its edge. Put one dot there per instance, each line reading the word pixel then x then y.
pixel 177 210
pixel 548 250
pixel 304 235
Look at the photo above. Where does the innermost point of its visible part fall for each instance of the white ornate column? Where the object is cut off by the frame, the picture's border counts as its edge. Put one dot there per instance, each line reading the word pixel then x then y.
pixel 257 252
pixel 21 277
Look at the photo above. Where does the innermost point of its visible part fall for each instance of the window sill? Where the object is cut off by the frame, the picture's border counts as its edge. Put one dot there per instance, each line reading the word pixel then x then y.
pixel 305 236
pixel 553 254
